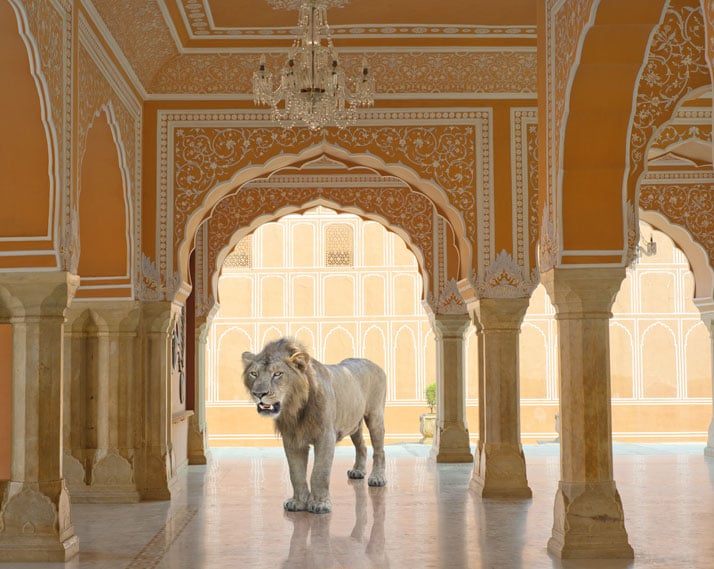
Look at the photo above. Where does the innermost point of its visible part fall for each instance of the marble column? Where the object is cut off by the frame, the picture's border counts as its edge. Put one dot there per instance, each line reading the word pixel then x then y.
pixel 35 521
pixel 198 451
pixel 707 310
pixel 500 469
pixel 154 461
pixel 588 516
pixel 101 345
pixel 451 435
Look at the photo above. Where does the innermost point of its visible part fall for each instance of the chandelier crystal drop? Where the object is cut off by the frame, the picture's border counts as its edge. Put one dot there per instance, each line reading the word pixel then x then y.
pixel 312 88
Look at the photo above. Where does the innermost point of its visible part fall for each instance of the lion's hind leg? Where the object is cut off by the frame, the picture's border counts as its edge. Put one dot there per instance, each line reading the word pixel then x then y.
pixel 359 470
pixel 375 424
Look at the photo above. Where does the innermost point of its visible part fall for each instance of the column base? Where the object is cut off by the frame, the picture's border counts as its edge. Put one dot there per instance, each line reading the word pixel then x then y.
pixel 589 523
pixel 154 475
pixel 709 450
pixel 112 480
pixel 198 450
pixel 501 472
pixel 36 526
pixel 451 444
pixel 46 550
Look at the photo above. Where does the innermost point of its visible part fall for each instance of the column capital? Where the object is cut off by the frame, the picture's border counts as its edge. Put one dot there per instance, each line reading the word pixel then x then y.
pixel 501 313
pixel 36 293
pixel 450 325
pixel 585 293
pixel 109 315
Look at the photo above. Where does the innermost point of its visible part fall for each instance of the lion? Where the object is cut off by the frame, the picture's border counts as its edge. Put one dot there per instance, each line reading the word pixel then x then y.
pixel 318 405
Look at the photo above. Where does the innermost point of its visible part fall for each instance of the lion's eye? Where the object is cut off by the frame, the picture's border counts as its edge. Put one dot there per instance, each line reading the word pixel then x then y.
pixel 277 374
pixel 252 374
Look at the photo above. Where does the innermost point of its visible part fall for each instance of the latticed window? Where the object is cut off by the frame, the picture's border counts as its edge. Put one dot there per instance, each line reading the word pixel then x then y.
pixel 338 246
pixel 242 255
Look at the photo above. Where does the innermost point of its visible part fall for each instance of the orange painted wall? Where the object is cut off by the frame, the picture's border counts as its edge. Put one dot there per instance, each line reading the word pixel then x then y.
pixel 5 399
pixel 24 190
pixel 102 211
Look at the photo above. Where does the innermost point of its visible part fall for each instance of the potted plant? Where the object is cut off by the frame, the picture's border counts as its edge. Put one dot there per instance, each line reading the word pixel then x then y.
pixel 427 421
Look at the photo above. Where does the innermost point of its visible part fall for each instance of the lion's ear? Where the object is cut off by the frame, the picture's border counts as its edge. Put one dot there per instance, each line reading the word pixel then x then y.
pixel 300 360
pixel 248 358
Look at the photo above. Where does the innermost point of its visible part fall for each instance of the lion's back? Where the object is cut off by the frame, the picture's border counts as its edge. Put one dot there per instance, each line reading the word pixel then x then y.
pixel 360 387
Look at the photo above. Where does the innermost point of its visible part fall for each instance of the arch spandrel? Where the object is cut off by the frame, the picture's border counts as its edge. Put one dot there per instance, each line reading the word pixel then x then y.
pixel 676 69
pixel 408 213
pixel 437 157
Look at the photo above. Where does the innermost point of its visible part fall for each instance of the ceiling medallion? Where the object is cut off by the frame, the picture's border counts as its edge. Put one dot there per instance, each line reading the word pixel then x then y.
pixel 312 89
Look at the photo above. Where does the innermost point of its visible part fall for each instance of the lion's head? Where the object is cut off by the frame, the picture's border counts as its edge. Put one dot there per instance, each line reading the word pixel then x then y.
pixel 277 378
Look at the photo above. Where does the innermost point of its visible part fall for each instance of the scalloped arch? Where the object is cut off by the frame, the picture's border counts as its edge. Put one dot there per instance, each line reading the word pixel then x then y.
pixel 437 197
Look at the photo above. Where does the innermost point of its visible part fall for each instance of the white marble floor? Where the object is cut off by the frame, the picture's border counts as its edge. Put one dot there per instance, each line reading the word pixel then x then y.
pixel 229 515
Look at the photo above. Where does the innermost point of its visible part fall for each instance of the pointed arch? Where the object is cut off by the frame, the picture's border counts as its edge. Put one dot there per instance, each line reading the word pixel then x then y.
pixel 105 210
pixel 30 213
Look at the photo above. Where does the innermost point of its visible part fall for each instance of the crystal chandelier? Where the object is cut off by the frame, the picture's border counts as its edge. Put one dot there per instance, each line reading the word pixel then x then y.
pixel 313 89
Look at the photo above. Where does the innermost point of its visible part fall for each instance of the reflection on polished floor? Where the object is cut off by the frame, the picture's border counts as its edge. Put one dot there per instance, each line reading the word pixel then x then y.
pixel 229 515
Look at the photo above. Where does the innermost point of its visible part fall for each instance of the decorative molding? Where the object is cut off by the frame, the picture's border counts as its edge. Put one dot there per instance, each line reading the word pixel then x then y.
pixel 676 65
pixel 43 27
pixel 677 176
pixel 450 300
pixel 524 183
pixel 674 133
pixel 154 284
pixel 688 205
pixel 466 73
pixel 567 22
pixel 399 206
pixel 451 148
pixel 549 251
pixel 632 232
pixel 506 278
pixel 199 24
pixel 96 95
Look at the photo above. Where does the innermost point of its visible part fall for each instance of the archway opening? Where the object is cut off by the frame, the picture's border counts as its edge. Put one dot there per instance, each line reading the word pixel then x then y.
pixel 660 356
pixel 344 287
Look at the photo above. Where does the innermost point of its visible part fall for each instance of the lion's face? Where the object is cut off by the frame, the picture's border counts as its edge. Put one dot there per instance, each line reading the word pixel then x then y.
pixel 275 379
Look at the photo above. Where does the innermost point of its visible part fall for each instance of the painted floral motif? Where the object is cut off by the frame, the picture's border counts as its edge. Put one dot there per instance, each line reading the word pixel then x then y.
pixel 676 64
pixel 460 72
pixel 449 301
pixel 688 205
pixel 505 278
pixel 207 156
pixel 399 205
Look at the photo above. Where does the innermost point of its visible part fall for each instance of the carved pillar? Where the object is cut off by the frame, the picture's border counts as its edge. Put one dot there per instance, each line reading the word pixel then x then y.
pixel 35 522
pixel 588 516
pixel 707 310
pixel 500 470
pixel 102 369
pixel 198 450
pixel 153 462
pixel 451 436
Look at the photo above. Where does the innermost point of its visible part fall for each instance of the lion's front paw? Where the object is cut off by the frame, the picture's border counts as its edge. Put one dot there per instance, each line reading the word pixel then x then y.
pixel 355 474
pixel 377 480
pixel 323 506
pixel 294 505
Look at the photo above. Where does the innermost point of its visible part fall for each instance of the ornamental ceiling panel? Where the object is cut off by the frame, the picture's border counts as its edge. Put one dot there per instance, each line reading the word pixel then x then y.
pixel 211 47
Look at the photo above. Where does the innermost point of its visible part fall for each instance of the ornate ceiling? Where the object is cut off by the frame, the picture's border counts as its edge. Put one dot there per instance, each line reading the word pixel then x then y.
pixel 209 48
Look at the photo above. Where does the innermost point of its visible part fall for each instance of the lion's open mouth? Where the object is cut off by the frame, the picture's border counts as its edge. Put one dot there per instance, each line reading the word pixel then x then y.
pixel 268 408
